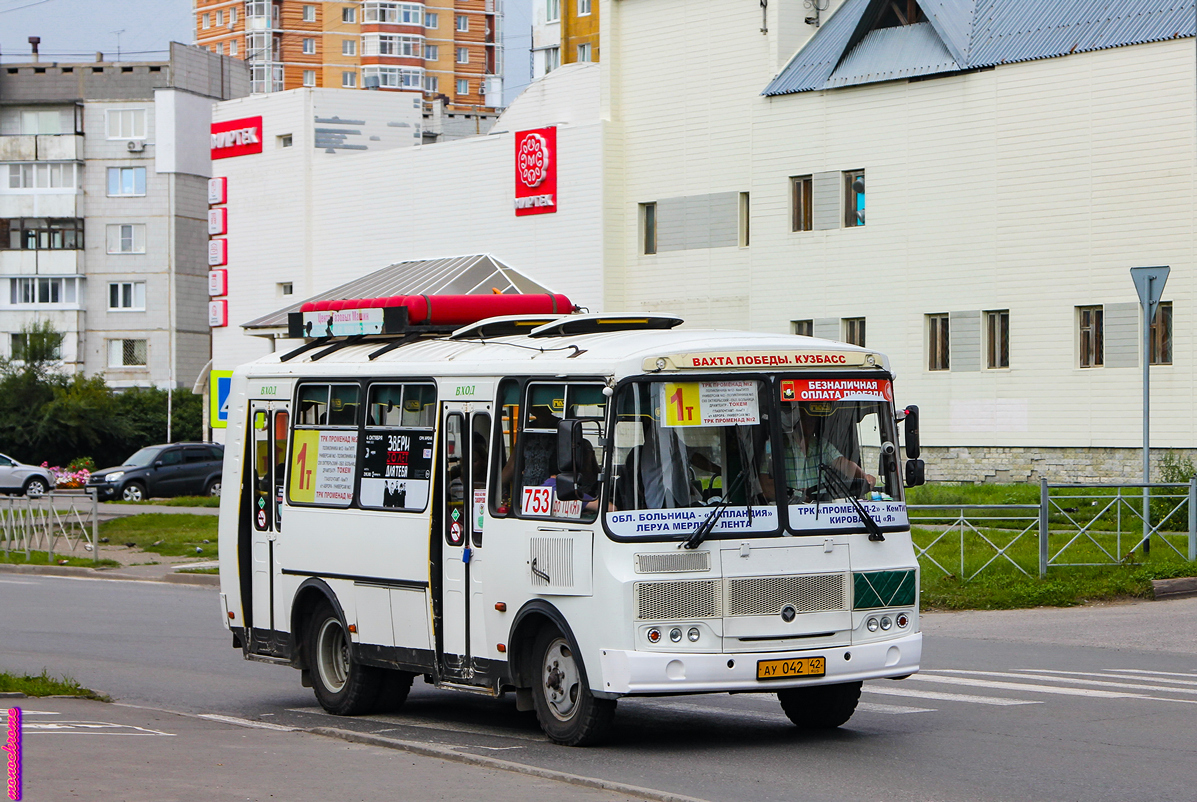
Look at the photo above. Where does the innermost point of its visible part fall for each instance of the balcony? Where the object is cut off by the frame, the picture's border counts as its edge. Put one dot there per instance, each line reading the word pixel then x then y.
pixel 41 147
pixel 32 203
pixel 44 263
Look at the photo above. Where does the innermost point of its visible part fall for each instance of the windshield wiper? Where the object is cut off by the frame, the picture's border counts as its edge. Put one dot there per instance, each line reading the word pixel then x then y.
pixel 704 529
pixel 841 486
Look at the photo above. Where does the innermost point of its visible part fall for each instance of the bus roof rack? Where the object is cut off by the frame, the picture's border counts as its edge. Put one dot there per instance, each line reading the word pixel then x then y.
pixel 594 324
pixel 502 326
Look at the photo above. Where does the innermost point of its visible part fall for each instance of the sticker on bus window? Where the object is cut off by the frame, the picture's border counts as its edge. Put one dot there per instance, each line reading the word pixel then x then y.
pixel 396 469
pixel 725 403
pixel 567 509
pixel 538 501
pixel 322 466
pixel 837 390
pixel 479 508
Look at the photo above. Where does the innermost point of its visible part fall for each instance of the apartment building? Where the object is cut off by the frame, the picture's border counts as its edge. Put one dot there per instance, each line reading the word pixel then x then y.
pixel 103 177
pixel 448 49
pixel 563 32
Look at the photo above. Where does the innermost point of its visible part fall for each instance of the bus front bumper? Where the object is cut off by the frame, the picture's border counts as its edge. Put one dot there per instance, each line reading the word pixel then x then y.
pixel 638 672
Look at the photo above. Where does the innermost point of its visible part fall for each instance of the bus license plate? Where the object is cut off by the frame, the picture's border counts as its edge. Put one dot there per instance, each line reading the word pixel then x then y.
pixel 784 669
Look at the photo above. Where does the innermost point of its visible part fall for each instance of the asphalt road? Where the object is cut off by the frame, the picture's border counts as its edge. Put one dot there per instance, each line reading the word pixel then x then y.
pixel 1092 704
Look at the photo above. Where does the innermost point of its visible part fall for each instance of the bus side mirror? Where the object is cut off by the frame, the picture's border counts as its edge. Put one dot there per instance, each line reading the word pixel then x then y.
pixel 912 432
pixel 567 487
pixel 915 473
pixel 569 444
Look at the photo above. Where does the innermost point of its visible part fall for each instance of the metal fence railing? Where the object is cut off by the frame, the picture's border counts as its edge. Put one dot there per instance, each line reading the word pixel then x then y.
pixel 49 522
pixel 1072 525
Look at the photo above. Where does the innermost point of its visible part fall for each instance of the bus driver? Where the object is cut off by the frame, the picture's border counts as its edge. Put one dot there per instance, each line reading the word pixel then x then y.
pixel 806 448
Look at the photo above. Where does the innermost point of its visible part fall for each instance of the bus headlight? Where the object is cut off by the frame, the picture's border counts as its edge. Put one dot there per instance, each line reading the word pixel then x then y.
pixel 694 634
pixel 886 623
pixel 675 635
pixel 872 624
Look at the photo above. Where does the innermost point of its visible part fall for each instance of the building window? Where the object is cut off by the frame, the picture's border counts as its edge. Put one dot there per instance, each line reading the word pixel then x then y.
pixel 463 55
pixel 127 353
pixel 431 52
pixel 463 86
pixel 552 59
pixel 46 175
pixel 232 47
pixel 432 83
pixel 854 198
pixel 463 22
pixel 648 225
pixel 126 296
pixel 232 17
pixel 854 330
pixel 348 47
pixel 349 80
pixel 805 328
pixel 745 220
pixel 206 21
pixel 938 357
pixel 431 20
pixel 1091 320
pixel 349 14
pixel 584 53
pixel 309 77
pixel 309 13
pixel 126 238
pixel 309 46
pixel 26 121
pixel 1161 335
pixel 286 288
pixel 49 291
pixel 43 234
pixel 20 343
pixel 801 202
pixel 552 10
pixel 220 17
pixel 583 8
pixel 284 141
pixel 126 181
pixel 997 339
pixel 220 48
pixel 411 14
pixel 126 123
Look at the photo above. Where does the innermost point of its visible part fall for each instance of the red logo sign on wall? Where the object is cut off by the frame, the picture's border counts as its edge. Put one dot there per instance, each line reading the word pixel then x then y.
pixel 536 171
pixel 237 137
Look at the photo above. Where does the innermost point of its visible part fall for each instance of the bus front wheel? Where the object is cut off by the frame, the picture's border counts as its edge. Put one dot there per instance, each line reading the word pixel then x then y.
pixel 566 709
pixel 343 686
pixel 820 707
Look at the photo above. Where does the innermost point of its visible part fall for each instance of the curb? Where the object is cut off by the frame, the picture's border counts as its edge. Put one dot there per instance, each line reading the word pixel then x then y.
pixel 1181 588
pixel 447 753
pixel 109 573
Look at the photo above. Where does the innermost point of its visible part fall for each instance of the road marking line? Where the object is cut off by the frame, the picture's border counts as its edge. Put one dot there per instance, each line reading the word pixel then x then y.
pixel 1155 673
pixel 768 715
pixel 1044 678
pixel 1021 686
pixel 951 697
pixel 244 722
pixel 429 724
pixel 15 582
pixel 1095 674
pixel 890 710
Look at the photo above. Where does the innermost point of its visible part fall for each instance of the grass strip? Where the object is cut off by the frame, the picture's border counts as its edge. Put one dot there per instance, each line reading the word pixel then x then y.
pixel 168 534
pixel 178 501
pixel 17 557
pixel 45 685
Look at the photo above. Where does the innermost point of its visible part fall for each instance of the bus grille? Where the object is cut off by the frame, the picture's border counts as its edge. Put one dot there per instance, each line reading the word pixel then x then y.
pixel 660 601
pixel 673 563
pixel 767 595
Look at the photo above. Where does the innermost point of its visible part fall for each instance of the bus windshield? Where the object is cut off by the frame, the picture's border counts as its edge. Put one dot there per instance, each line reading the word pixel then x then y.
pixel 747 446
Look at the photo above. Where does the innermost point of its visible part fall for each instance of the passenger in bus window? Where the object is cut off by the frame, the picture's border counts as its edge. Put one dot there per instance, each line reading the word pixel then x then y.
pixel 540 449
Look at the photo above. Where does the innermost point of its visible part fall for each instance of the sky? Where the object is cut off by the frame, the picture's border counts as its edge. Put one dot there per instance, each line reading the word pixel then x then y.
pixel 73 30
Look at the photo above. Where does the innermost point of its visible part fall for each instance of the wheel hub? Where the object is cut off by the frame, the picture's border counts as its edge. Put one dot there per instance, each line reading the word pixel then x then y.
pixel 562 680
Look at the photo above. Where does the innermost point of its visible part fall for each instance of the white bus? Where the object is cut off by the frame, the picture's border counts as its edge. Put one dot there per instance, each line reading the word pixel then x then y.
pixel 573 508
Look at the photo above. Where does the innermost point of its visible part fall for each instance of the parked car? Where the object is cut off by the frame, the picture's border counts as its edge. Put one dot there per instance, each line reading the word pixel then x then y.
pixel 29 480
pixel 174 469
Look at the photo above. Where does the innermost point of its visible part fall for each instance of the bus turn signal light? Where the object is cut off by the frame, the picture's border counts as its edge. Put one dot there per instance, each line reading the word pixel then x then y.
pixel 232 614
pixel 502 608
pixel 501 647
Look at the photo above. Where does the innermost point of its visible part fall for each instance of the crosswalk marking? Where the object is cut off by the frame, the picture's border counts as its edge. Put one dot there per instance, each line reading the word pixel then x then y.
pixel 1022 686
pixel 890 710
pixel 950 697
pixel 1045 678
pixel 1109 676
pixel 1153 673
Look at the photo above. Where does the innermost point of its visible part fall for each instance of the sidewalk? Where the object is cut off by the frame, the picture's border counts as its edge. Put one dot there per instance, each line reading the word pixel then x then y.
pixel 78 749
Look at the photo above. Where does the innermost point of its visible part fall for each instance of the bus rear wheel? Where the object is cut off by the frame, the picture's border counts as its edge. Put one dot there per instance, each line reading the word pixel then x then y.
pixel 820 707
pixel 566 709
pixel 343 686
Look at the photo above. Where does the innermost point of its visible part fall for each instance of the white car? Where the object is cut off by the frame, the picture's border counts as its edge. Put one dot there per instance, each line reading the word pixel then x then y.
pixel 29 480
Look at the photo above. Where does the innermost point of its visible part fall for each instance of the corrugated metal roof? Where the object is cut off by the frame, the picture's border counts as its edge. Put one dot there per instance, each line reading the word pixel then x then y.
pixel 477 274
pixel 978 33
pixel 890 53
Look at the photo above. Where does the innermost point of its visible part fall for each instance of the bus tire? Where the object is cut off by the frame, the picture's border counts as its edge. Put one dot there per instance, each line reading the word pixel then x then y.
pixel 393 690
pixel 343 686
pixel 820 707
pixel 566 709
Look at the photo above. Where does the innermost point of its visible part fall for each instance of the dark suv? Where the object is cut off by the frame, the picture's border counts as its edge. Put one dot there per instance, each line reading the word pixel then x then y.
pixel 176 469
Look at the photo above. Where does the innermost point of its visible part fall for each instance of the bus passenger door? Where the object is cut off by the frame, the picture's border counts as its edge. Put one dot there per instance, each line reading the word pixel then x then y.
pixel 466 431
pixel 268 423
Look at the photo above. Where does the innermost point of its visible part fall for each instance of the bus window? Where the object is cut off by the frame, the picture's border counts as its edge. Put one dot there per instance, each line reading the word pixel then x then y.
pixel 344 404
pixel 313 405
pixel 396 466
pixel 455 448
pixel 419 406
pixel 280 464
pixel 503 454
pixel 480 424
pixel 690 444
pixel 262 466
pixel 548 405
pixel 386 403
pixel 323 458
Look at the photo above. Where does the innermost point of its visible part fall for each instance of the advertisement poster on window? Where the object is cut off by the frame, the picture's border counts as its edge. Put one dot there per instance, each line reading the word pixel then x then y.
pixel 536 171
pixel 837 390
pixel 322 465
pixel 397 469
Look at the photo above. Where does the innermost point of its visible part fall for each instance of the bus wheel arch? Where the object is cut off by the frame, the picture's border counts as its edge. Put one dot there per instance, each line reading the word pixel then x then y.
pixel 310 594
pixel 529 621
